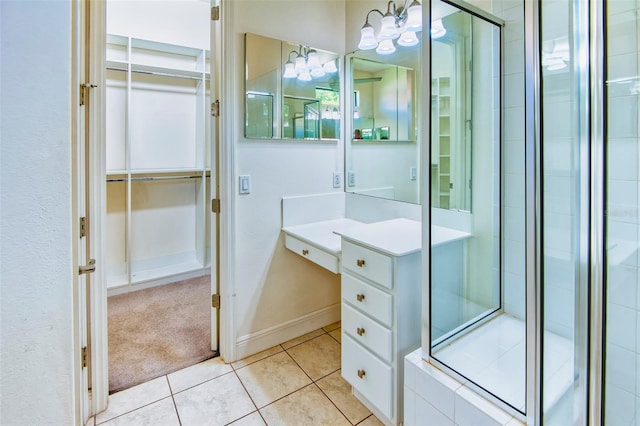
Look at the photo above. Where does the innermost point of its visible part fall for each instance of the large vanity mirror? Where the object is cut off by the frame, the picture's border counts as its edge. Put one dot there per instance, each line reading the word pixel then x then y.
pixel 292 91
pixel 382 156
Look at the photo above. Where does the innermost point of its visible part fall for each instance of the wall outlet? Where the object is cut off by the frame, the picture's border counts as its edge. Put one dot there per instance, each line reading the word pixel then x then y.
pixel 337 179
pixel 413 173
pixel 351 178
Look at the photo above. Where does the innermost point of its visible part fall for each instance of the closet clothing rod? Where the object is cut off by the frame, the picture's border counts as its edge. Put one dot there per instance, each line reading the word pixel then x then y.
pixel 160 74
pixel 151 178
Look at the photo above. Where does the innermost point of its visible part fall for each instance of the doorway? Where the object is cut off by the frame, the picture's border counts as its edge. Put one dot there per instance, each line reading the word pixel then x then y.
pixel 158 249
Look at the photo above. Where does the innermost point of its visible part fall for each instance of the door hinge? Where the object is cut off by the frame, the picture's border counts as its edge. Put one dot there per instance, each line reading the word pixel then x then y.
pixel 83 227
pixel 84 356
pixel 84 92
pixel 215 108
pixel 88 268
pixel 215 205
pixel 215 301
pixel 215 13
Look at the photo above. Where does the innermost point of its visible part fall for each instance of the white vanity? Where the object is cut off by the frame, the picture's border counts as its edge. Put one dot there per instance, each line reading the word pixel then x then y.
pixel 377 249
pixel 381 302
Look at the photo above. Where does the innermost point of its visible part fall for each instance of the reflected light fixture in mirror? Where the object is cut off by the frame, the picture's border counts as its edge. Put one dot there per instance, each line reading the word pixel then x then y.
pixel 306 65
pixel 401 23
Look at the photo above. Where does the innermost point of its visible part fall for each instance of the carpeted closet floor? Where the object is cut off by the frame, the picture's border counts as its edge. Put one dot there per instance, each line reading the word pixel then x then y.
pixel 157 331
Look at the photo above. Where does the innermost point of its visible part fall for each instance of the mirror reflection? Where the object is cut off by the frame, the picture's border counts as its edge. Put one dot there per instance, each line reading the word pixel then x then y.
pixel 291 91
pixel 382 156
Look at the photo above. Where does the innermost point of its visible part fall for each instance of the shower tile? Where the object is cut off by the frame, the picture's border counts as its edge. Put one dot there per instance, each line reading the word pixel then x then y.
pixel 438 388
pixel 514 23
pixel 339 392
pixel 514 124
pixel 409 404
pixel 471 408
pixel 162 412
pixel 620 331
pixel 308 406
pixel 429 415
pixel 138 396
pixel 622 159
pixel 196 374
pixel 621 368
pixel 513 57
pixel 218 401
pixel 622 283
pixel 513 90
pixel 623 115
pixel 272 378
pixel 317 357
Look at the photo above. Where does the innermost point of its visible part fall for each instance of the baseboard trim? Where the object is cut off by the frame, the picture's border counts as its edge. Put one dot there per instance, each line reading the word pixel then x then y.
pixel 156 282
pixel 250 344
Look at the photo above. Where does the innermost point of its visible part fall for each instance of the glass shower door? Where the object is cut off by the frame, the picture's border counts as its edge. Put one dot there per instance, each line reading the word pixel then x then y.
pixel 622 217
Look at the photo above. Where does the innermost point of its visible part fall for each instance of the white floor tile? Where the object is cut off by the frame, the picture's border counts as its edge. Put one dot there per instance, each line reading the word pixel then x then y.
pixel 135 397
pixel 216 402
pixel 161 413
pixel 196 374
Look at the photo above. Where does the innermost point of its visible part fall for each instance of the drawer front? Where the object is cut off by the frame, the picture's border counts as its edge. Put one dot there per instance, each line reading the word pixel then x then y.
pixel 370 376
pixel 368 299
pixel 370 264
pixel 367 332
pixel 322 258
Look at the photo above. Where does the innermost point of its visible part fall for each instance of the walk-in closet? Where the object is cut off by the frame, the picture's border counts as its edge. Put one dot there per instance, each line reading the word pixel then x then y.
pixel 158 181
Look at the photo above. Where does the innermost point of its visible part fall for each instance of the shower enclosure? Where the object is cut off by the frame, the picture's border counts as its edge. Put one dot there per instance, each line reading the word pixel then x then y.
pixel 535 161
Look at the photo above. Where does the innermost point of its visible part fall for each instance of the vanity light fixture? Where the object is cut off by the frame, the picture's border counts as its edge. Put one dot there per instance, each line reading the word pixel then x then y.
pixel 400 23
pixel 306 65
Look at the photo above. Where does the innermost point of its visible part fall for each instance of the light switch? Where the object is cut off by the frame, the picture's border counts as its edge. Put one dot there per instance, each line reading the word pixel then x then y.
pixel 413 173
pixel 245 184
pixel 351 178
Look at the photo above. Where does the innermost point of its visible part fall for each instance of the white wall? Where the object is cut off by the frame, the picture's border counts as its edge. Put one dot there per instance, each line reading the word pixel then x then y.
pixel 36 274
pixel 271 285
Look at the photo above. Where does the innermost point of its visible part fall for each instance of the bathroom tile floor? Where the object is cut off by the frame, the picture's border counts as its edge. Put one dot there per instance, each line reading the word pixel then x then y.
pixel 295 383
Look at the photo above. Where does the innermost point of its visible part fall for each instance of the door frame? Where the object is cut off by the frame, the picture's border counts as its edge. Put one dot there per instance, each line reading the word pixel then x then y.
pixel 98 298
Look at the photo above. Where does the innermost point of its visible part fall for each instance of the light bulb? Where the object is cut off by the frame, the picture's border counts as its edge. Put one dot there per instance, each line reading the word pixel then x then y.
pixel 318 72
pixel 408 38
pixel 301 65
pixel 289 71
pixel 386 47
pixel 414 17
pixel 367 38
pixel 330 67
pixel 388 30
pixel 313 61
pixel 437 29
pixel 305 76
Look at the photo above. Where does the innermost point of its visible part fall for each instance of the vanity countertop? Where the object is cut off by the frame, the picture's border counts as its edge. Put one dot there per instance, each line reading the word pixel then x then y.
pixel 323 234
pixel 399 237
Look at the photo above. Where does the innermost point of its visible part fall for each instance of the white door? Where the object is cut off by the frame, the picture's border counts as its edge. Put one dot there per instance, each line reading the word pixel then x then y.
pixel 214 193
pixel 85 265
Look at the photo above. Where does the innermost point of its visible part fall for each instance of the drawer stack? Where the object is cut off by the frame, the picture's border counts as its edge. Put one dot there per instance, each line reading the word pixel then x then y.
pixel 381 302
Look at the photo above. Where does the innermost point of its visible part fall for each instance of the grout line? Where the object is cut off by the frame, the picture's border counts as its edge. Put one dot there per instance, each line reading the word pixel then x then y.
pixel 200 383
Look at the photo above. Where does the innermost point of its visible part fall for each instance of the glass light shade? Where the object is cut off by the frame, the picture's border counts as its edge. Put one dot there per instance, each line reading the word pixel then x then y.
pixel 437 29
pixel 414 17
pixel 313 60
pixel 408 38
pixel 317 72
pixel 305 76
pixel 388 30
pixel 301 65
pixel 367 38
pixel 289 71
pixel 335 114
pixel 386 47
pixel 330 67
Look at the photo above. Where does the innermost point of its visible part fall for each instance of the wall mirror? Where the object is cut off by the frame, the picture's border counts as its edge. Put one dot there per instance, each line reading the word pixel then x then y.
pixel 292 91
pixel 382 156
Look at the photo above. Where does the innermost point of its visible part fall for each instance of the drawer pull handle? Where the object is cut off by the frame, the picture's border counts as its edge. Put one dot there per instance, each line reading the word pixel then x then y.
pixel 361 374
pixel 360 262
pixel 360 297
pixel 305 252
pixel 360 331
